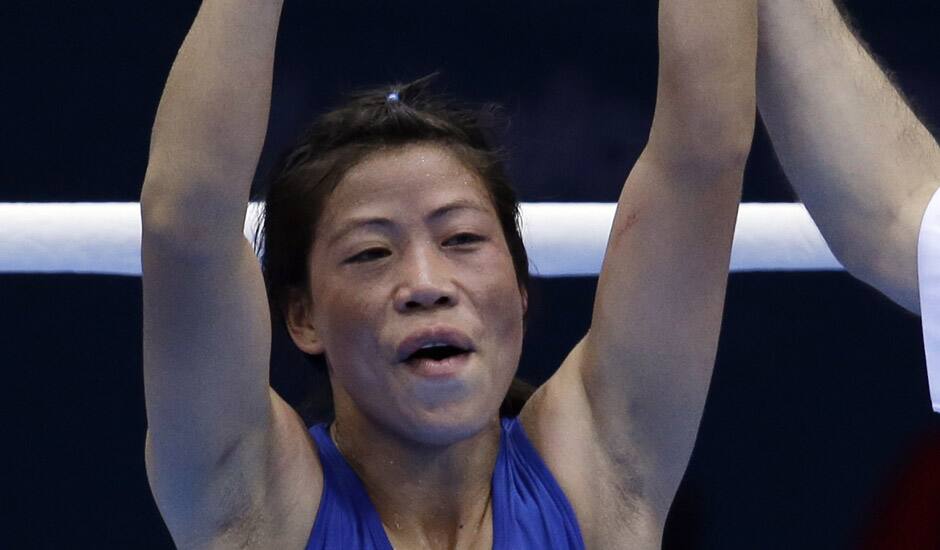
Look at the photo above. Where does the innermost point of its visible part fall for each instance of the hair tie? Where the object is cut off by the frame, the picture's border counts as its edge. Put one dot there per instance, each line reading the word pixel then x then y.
pixel 392 97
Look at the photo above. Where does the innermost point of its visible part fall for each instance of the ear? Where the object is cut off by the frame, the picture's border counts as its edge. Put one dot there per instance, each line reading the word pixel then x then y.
pixel 299 319
pixel 525 300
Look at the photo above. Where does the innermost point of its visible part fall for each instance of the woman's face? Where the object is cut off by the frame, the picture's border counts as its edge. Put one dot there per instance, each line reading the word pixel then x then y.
pixel 410 253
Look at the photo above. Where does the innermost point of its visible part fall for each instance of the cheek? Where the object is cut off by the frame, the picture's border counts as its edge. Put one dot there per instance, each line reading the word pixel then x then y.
pixel 351 344
pixel 506 300
pixel 503 304
pixel 344 318
pixel 502 285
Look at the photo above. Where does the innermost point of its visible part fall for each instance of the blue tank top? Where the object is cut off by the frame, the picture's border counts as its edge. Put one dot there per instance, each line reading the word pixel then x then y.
pixel 529 508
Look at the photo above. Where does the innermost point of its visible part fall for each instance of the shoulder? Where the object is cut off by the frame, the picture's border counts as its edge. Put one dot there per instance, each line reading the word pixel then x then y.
pixel 601 483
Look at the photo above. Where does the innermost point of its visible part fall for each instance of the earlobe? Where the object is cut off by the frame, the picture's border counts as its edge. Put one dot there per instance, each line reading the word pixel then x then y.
pixel 299 320
pixel 312 345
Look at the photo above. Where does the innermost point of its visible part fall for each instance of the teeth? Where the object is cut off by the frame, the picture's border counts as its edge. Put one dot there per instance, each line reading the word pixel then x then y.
pixel 433 345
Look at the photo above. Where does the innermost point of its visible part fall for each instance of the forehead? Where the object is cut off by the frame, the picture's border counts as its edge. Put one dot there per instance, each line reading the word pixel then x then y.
pixel 409 177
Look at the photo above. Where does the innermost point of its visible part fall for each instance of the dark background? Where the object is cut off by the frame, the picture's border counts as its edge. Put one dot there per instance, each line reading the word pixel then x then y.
pixel 819 398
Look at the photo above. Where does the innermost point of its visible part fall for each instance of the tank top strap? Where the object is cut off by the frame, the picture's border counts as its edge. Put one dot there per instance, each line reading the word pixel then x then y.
pixel 530 510
pixel 346 517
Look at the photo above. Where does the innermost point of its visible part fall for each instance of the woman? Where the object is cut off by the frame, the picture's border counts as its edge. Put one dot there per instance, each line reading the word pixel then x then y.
pixel 412 286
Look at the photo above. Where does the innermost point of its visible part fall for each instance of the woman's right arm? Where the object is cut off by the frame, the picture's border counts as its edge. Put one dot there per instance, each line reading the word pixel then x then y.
pixel 224 454
pixel 212 119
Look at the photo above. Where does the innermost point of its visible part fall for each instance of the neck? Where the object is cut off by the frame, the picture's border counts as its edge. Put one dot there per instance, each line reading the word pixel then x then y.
pixel 427 496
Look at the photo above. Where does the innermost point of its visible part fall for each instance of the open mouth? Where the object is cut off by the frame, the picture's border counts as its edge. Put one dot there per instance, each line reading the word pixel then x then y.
pixel 439 352
pixel 436 353
pixel 438 362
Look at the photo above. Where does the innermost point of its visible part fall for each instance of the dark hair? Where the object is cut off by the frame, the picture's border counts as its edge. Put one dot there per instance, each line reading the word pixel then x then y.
pixel 373 120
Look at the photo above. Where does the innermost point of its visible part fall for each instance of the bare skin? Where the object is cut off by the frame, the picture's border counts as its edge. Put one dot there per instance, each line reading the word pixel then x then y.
pixel 853 150
pixel 231 464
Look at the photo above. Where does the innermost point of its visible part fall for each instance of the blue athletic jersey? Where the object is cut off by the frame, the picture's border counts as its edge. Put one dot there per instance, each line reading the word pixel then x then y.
pixel 529 508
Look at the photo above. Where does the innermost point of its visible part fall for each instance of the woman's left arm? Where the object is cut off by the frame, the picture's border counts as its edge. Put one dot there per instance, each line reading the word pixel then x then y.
pixel 646 362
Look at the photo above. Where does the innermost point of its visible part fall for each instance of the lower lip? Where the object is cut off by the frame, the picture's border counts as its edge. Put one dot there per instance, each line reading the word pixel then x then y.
pixel 439 370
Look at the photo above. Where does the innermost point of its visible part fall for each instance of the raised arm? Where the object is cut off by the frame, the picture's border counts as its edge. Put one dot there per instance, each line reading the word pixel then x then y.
pixel 213 116
pixel 644 367
pixel 220 443
pixel 854 152
pixel 654 333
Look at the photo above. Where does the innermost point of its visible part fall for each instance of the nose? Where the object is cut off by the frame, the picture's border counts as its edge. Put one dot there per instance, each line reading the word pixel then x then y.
pixel 426 282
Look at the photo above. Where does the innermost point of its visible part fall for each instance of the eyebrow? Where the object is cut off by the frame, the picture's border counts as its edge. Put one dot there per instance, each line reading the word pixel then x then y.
pixel 383 223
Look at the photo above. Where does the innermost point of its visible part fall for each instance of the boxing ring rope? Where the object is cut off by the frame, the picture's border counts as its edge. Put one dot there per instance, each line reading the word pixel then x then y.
pixel 562 239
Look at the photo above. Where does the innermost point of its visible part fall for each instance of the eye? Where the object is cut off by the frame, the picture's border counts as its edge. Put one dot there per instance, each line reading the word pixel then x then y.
pixel 463 239
pixel 368 255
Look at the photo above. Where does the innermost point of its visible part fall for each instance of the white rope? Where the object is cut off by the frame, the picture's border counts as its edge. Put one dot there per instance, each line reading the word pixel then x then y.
pixel 563 239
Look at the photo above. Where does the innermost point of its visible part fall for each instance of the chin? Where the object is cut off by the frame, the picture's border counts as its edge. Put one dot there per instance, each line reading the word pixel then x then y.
pixel 449 425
